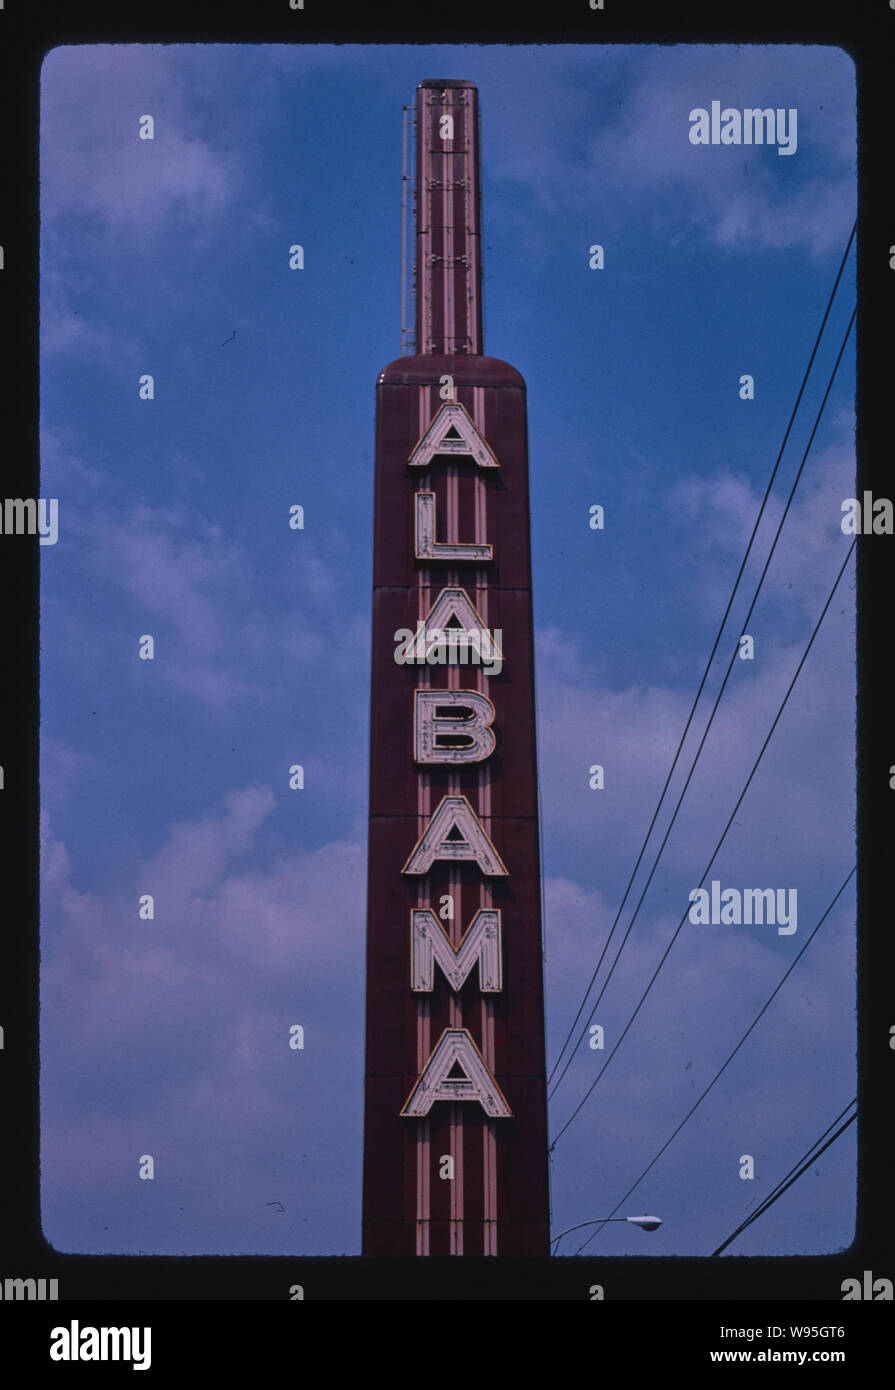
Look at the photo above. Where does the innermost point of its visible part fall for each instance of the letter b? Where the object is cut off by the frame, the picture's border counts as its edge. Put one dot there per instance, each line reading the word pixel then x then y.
pixel 452 726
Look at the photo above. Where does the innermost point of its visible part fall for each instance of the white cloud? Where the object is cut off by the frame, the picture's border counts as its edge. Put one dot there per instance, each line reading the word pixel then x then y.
pixel 639 161
pixel 193 587
pixel 92 159
pixel 176 1037
pixel 633 732
pixel 718 513
pixel 104 187
pixel 791 1076
pixel 739 195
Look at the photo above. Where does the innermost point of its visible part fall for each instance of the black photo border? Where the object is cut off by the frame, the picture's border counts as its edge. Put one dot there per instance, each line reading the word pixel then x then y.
pixel 29 29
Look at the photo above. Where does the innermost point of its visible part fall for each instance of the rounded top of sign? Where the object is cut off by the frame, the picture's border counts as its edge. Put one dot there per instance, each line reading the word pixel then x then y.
pixel 441 82
pixel 467 369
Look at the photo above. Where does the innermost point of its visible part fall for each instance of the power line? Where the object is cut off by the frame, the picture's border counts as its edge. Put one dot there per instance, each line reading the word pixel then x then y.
pixel 717 700
pixel 791 1176
pixel 733 1053
pixel 711 656
pixel 711 717
pixel 717 846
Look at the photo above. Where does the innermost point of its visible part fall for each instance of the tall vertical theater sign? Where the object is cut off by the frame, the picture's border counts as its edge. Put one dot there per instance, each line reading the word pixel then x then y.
pixel 455 1141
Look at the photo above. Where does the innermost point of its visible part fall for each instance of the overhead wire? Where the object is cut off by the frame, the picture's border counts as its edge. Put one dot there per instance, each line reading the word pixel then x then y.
pixel 718 697
pixel 802 1166
pixel 711 658
pixel 739 801
pixel 695 1106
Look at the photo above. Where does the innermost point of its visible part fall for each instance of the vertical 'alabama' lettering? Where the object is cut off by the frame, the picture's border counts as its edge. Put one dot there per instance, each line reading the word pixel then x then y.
pixel 452 480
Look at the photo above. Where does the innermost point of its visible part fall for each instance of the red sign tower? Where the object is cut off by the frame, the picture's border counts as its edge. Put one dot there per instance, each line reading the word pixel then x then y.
pixel 455 1130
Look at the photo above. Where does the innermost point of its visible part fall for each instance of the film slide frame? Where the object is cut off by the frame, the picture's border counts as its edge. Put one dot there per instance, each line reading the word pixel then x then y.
pixel 767 1287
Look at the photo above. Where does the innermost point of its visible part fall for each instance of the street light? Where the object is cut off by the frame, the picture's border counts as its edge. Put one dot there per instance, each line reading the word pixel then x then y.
pixel 647 1223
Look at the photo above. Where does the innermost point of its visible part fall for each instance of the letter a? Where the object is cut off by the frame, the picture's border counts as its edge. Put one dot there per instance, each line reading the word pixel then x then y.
pixel 453 431
pixel 699 126
pixel 59 1344
pixel 699 912
pixel 456 1048
pixel 850 524
pixel 450 605
pixel 455 813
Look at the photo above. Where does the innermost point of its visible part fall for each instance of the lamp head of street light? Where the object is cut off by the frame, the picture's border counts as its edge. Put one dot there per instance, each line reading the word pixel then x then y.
pixel 648 1223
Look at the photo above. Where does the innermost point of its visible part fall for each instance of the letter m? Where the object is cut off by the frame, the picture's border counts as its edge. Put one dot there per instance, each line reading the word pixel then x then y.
pixel 116 1343
pixel 759 127
pixel 759 906
pixel 430 943
pixel 15 1288
pixel 14 523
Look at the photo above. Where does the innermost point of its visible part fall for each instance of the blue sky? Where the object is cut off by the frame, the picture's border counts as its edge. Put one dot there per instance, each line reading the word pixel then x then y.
pixel 170 777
